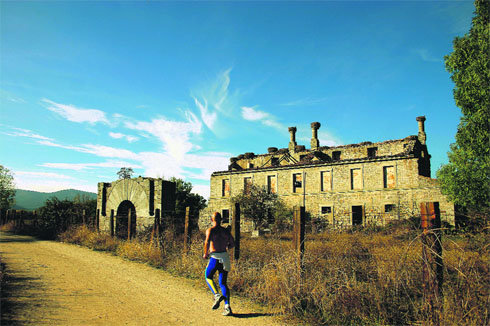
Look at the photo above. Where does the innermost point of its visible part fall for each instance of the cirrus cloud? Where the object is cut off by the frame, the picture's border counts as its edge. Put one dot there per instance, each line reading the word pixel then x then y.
pixel 74 114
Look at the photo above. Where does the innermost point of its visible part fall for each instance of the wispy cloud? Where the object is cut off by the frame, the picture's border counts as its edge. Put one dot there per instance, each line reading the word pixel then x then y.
pixel 89 166
pixel 208 117
pixel 174 162
pixel 74 114
pixel 98 150
pixel 129 138
pixel 252 114
pixel 174 135
pixel 50 183
pixel 214 98
pixel 325 138
pixel 425 55
pixel 42 175
pixel 16 100
pixel 307 101
pixel 19 132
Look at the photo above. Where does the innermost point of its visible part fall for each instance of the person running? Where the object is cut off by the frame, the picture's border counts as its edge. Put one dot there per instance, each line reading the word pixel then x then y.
pixel 218 241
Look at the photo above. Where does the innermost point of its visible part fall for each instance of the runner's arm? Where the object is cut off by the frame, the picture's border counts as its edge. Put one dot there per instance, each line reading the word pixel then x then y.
pixel 206 244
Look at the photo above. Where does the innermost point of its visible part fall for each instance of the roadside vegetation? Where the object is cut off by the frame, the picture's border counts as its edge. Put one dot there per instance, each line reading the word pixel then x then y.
pixel 352 277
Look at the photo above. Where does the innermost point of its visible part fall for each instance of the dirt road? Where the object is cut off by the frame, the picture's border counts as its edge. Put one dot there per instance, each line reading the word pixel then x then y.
pixel 51 283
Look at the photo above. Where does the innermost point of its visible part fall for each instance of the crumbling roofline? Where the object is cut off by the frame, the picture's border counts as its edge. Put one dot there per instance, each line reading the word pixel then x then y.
pixel 316 164
pixel 325 148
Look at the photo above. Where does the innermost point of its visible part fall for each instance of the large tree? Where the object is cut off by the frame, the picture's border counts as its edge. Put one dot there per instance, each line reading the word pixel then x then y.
pixel 7 188
pixel 466 178
pixel 258 205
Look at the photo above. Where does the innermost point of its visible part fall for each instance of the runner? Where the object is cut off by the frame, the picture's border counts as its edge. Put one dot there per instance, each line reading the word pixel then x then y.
pixel 218 241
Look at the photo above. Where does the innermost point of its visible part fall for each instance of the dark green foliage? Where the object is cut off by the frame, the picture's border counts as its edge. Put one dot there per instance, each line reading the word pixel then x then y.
pixel 466 178
pixel 185 198
pixel 7 191
pixel 125 173
pixel 283 218
pixel 261 206
pixel 56 216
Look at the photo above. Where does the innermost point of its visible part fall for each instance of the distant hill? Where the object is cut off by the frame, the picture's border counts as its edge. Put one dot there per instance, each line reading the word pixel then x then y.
pixel 30 200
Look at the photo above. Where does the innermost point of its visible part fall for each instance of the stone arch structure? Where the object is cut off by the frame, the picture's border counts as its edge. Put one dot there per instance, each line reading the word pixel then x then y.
pixel 148 199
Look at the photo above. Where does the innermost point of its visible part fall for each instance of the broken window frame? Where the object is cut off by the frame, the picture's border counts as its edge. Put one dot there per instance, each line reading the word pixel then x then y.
pixel 270 189
pixel 389 208
pixel 322 174
pixel 224 191
pixel 297 184
pixel 225 217
pixel 386 177
pixel 352 181
pixel 328 210
pixel 372 152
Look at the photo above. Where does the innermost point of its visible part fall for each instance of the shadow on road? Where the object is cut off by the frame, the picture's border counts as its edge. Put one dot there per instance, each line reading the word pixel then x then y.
pixel 250 315
pixel 12 308
pixel 11 237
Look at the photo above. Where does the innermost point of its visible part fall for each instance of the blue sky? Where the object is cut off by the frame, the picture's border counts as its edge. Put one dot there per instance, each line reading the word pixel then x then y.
pixel 177 88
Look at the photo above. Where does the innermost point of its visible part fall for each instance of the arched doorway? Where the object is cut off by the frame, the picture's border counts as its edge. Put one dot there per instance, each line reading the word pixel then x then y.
pixel 125 209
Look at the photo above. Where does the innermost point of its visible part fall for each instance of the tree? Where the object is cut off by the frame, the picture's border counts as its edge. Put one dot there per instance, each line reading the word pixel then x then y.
pixel 125 173
pixel 7 188
pixel 55 217
pixel 466 178
pixel 185 198
pixel 257 204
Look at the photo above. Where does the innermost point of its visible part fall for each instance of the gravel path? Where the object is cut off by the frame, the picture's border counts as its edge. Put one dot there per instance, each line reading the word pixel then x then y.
pixel 51 283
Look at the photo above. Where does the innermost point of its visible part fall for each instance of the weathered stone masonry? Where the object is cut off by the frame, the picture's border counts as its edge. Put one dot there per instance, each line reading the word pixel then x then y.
pixel 147 198
pixel 352 184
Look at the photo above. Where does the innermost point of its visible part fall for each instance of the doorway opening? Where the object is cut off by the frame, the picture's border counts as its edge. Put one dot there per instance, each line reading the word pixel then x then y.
pixel 356 215
pixel 126 212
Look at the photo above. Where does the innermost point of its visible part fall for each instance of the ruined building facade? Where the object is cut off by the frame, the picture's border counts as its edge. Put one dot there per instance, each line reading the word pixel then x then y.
pixel 355 184
pixel 127 206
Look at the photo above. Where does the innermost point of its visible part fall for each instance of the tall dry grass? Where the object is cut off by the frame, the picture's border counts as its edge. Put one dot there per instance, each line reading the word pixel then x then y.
pixel 349 278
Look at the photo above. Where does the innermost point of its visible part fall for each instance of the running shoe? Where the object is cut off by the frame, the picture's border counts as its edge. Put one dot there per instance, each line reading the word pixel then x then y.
pixel 227 311
pixel 217 300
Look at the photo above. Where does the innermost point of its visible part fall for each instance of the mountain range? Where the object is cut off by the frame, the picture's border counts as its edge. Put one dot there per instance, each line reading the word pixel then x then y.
pixel 30 200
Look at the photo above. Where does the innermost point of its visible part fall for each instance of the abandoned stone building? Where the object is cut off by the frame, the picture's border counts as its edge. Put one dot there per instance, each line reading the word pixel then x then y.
pixel 145 200
pixel 355 184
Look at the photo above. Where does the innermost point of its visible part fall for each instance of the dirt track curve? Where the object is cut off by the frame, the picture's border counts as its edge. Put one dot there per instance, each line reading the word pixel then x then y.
pixel 51 283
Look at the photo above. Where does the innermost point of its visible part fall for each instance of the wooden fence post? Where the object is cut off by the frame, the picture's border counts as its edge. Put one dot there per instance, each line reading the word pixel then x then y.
pixel 299 233
pixel 129 224
pixel 235 231
pixel 97 214
pixel 432 259
pixel 112 223
pixel 186 230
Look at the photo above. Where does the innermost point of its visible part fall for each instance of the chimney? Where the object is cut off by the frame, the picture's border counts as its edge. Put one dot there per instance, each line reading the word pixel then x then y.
pixel 422 136
pixel 315 143
pixel 292 142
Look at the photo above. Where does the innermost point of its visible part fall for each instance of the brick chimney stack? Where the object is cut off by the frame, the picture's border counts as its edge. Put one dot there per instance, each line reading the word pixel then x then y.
pixel 315 143
pixel 292 142
pixel 422 136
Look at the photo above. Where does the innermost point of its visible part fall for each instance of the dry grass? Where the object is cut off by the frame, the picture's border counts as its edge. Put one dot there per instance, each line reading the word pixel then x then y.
pixel 350 278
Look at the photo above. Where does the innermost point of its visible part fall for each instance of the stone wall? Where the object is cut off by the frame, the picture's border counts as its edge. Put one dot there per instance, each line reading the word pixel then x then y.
pixel 146 194
pixel 409 191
